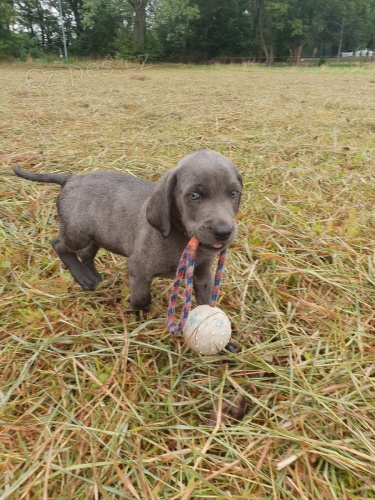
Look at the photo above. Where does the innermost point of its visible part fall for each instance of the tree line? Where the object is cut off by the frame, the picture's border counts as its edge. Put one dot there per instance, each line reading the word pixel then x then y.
pixel 186 30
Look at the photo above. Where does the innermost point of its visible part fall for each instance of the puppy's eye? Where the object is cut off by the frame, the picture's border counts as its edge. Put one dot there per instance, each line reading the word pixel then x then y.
pixel 194 196
pixel 234 194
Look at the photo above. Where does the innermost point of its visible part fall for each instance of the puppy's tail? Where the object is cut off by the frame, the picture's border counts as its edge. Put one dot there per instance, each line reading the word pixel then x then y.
pixel 55 178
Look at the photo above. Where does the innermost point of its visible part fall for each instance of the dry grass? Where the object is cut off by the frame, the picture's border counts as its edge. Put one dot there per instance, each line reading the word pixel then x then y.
pixel 97 405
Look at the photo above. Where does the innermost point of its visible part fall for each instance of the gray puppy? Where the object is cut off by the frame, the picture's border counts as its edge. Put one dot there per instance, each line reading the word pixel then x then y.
pixel 150 223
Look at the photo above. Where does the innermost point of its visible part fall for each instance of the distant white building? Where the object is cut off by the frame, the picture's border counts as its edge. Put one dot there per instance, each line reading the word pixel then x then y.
pixel 364 53
pixel 358 53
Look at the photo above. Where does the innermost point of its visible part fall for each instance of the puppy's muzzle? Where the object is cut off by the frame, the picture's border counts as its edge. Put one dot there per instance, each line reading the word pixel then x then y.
pixel 222 232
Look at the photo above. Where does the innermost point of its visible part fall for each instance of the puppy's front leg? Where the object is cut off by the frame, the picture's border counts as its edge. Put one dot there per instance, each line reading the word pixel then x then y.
pixel 203 282
pixel 140 287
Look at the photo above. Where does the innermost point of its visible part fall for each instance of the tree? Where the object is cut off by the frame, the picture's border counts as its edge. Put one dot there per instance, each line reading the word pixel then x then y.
pixel 188 29
pixel 267 18
pixel 139 7
pixel 111 19
pixel 292 26
pixel 7 18
pixel 37 18
pixel 172 24
pixel 224 28
pixel 287 26
pixel 102 21
pixel 76 8
pixel 359 23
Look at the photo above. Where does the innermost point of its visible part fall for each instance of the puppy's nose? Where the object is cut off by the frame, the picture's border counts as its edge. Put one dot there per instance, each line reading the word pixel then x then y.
pixel 222 232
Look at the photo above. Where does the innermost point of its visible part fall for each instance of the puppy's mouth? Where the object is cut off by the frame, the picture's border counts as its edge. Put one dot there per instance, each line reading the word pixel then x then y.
pixel 213 246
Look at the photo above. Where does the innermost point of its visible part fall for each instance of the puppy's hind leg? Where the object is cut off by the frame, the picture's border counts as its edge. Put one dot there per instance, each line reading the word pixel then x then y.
pixel 80 272
pixel 87 256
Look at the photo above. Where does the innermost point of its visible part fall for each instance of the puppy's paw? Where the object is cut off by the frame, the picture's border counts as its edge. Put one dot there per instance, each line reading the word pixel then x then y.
pixel 87 280
pixel 88 285
pixel 233 348
pixel 139 314
pixel 92 270
pixel 140 306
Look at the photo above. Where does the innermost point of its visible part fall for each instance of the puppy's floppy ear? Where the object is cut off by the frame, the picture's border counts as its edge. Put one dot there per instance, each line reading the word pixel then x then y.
pixel 159 203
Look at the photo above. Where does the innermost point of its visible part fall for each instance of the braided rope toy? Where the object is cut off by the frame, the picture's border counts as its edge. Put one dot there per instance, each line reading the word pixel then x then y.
pixel 215 318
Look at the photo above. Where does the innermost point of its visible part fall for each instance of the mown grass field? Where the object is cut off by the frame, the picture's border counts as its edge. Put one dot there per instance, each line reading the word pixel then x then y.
pixel 97 405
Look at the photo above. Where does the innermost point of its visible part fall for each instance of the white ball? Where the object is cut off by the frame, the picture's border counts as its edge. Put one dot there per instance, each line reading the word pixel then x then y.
pixel 207 330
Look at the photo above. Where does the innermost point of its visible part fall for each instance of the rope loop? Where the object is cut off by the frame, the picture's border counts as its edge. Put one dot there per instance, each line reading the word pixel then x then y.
pixel 186 270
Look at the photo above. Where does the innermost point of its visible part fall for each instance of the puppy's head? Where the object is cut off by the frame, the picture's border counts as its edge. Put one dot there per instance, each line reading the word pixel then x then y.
pixel 200 197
